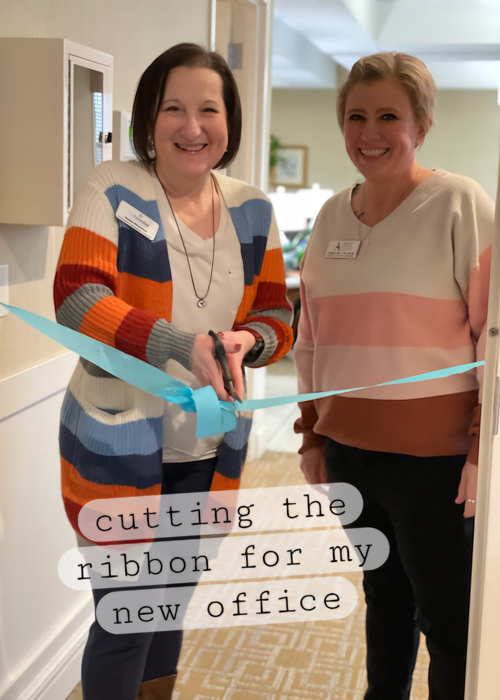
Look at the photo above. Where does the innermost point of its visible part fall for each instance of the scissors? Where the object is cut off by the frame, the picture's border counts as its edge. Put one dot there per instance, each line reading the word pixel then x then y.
pixel 221 359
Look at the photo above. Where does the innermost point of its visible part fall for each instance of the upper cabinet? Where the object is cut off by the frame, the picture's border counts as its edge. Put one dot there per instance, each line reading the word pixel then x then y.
pixel 56 116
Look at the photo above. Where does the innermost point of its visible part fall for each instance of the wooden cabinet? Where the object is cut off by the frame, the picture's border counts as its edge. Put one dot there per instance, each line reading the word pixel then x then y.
pixel 55 126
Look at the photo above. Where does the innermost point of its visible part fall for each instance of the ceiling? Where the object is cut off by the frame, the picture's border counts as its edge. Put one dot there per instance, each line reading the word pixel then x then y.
pixel 459 40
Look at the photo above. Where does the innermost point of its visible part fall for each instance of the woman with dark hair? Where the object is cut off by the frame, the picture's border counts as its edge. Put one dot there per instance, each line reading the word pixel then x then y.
pixel 156 254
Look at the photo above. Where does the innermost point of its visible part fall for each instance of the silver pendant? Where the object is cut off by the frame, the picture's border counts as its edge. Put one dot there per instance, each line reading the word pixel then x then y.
pixel 201 303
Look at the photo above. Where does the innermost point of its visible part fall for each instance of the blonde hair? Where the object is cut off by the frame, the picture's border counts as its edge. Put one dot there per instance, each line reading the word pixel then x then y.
pixel 410 72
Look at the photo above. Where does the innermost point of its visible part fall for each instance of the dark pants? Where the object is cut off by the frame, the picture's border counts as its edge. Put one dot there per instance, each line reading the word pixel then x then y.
pixel 114 665
pixel 425 583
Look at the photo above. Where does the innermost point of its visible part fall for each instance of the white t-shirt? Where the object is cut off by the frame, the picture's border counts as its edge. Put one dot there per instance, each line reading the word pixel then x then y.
pixel 223 301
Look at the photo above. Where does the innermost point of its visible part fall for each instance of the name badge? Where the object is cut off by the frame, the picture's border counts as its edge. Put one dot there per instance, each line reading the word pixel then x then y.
pixel 342 249
pixel 137 220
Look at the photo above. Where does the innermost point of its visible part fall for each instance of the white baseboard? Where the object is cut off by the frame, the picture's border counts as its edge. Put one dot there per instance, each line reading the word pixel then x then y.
pixel 45 666
pixel 54 669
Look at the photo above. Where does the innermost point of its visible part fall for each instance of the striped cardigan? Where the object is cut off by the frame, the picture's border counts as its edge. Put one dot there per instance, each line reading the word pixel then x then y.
pixel 115 285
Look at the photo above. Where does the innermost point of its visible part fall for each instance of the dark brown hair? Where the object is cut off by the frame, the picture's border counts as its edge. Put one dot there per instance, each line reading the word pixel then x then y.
pixel 151 89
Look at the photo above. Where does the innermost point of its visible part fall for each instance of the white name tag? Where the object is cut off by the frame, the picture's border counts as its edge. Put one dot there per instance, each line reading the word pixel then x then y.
pixel 137 220
pixel 342 249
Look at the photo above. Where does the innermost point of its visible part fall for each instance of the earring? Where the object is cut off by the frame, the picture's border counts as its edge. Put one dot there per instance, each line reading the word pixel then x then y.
pixel 151 147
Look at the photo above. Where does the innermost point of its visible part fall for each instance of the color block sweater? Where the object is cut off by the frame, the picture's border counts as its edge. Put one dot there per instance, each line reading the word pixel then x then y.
pixel 115 284
pixel 413 300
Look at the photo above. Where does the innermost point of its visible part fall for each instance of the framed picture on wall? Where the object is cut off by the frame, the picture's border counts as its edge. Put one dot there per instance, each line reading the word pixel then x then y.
pixel 291 166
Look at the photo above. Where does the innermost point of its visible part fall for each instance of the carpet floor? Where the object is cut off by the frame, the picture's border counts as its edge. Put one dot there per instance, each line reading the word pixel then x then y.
pixel 306 661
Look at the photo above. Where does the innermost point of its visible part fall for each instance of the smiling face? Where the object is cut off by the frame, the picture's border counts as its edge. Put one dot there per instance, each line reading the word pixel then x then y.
pixel 190 132
pixel 380 130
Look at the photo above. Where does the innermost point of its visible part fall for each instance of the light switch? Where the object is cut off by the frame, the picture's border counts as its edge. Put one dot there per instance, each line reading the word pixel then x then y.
pixel 4 288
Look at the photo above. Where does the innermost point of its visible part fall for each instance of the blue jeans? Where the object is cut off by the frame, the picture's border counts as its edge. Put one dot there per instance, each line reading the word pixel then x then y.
pixel 425 583
pixel 114 665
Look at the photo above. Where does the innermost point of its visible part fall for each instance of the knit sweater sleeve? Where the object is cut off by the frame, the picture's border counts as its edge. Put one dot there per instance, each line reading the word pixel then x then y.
pixel 472 241
pixel 86 281
pixel 270 315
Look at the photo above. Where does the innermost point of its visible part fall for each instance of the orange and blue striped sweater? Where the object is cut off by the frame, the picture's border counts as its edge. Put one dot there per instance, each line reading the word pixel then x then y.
pixel 115 285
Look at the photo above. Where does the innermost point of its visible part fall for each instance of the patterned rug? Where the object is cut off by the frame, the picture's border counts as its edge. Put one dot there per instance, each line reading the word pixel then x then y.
pixel 306 661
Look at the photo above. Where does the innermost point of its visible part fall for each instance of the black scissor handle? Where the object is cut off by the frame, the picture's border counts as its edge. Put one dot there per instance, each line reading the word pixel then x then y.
pixel 221 359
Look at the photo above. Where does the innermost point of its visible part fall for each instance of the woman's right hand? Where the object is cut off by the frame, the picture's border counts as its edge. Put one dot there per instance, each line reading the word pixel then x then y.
pixel 205 368
pixel 313 466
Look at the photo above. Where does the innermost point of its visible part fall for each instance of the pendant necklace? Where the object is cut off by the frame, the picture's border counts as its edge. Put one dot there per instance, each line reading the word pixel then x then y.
pixel 358 215
pixel 202 302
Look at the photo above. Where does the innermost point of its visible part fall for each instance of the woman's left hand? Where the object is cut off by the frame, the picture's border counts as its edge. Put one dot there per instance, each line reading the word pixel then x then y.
pixel 231 341
pixel 467 489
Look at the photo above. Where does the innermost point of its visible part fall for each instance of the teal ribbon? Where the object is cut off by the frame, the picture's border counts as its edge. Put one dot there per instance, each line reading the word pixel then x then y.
pixel 213 416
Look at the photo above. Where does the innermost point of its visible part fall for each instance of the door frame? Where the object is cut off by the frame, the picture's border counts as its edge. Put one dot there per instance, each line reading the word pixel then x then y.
pixel 254 83
pixel 484 623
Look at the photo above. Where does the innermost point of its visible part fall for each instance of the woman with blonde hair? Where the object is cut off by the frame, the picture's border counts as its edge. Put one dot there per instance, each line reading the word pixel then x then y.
pixel 395 283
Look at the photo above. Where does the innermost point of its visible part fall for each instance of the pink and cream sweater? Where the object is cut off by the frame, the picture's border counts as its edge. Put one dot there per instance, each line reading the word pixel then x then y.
pixel 413 300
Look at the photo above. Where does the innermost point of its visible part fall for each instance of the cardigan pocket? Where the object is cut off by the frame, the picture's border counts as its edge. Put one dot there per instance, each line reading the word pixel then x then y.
pixel 111 432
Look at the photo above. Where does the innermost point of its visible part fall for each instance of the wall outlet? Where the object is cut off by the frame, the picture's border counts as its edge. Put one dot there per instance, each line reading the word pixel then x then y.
pixel 4 288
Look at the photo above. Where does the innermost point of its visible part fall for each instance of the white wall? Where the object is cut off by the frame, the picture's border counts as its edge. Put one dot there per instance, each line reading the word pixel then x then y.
pixel 307 118
pixel 134 33
pixel 43 624
pixel 465 139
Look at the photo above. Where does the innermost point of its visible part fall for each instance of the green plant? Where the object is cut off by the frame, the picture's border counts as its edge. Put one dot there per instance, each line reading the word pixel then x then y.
pixel 273 148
